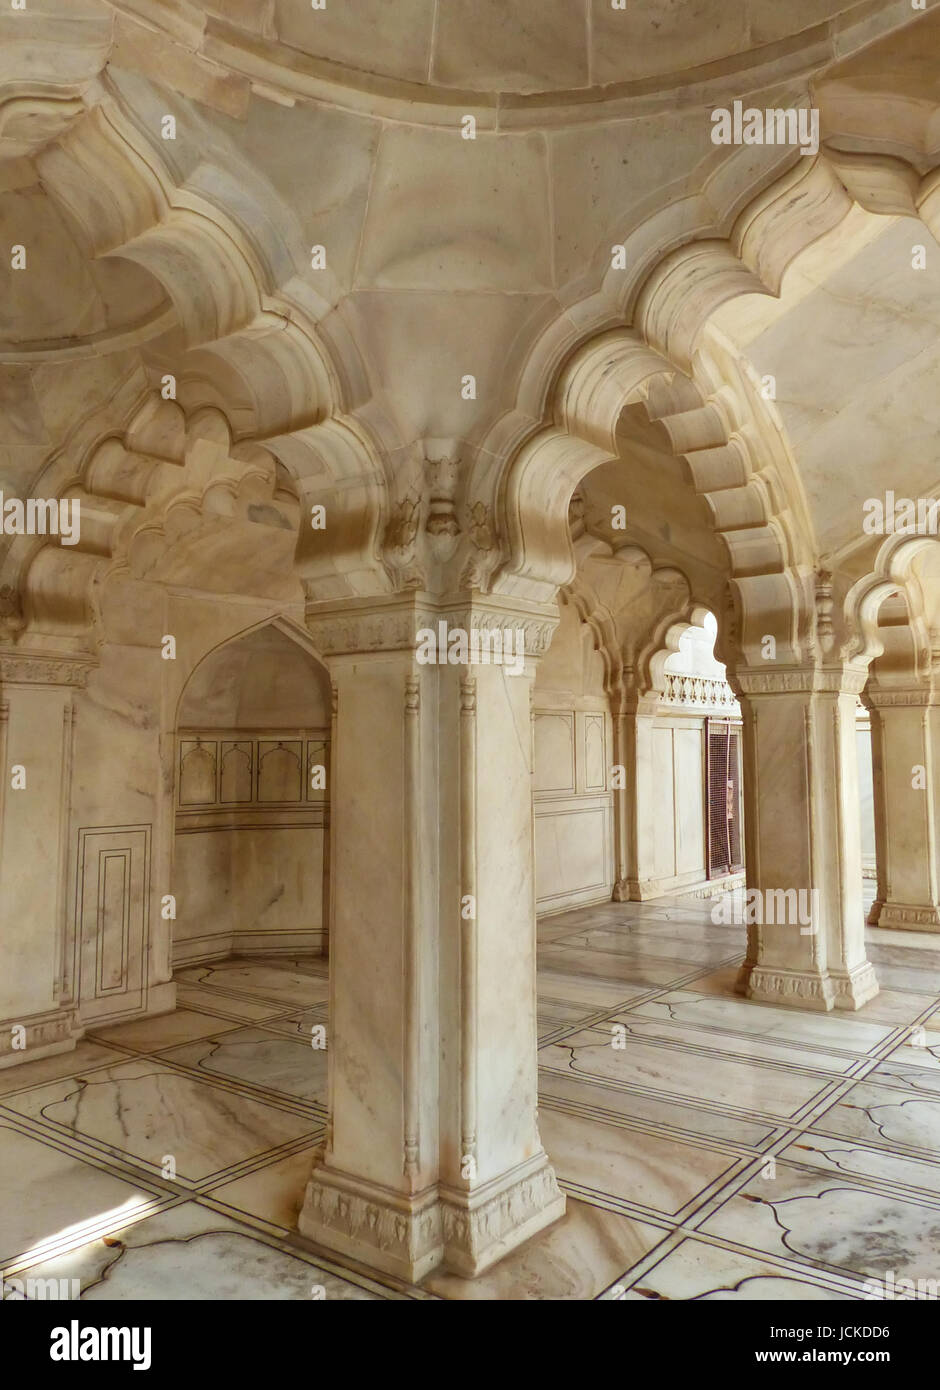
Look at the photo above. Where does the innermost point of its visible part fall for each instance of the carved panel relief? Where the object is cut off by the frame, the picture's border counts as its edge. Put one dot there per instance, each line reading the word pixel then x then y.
pixel 112 911
pixel 595 754
pixel 218 772
pixel 280 770
pixel 236 772
pixel 554 751
pixel 198 772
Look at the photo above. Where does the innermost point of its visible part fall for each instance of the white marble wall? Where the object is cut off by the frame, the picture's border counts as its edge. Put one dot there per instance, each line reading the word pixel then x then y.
pixel 571 784
pixel 678 806
pixel 87 846
pixel 251 828
pixel 866 803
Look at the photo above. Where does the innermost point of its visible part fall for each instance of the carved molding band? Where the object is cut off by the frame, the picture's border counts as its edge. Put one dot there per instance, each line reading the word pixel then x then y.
pixel 822 991
pixel 846 682
pixel 396 626
pixel 474 1235
pixel 393 631
pixel 923 698
pixel 409 1236
pixel 914 918
pixel 39 669
pixel 53 1031
pixel 787 984
pixel 856 987
pixel 402 1237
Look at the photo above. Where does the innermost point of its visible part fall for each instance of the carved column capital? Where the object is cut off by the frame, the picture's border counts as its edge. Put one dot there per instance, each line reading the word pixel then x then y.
pixel 919 697
pixel 393 623
pixel 808 680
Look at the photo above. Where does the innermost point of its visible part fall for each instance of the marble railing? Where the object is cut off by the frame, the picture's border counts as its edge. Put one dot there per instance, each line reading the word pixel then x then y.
pixel 699 692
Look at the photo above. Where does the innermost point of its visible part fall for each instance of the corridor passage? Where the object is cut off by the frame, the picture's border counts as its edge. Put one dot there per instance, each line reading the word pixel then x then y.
pixel 710 1147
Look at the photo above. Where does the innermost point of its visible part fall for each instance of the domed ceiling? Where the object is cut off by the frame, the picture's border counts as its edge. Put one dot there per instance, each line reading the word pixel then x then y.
pixel 449 259
pixel 531 46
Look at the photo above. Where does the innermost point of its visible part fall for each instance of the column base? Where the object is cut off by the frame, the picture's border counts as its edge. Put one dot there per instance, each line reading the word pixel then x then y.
pixel 689 886
pixel 634 890
pixel 905 916
pixel 410 1236
pixel 855 987
pixel 482 1227
pixel 387 1230
pixel 805 989
pixel 796 988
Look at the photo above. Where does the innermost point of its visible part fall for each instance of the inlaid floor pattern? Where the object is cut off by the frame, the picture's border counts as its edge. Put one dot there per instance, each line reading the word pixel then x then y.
pixel 710 1147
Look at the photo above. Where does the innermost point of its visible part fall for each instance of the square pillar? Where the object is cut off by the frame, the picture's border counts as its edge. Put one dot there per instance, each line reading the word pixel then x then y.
pixel 635 804
pixel 433 1154
pixel 905 728
pixel 806 930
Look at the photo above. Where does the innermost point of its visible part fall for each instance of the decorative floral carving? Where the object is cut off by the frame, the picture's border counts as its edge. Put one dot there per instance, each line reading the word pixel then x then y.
pixel 397 629
pixel 802 681
pixel 468 1232
pixel 825 632
pixel 401 535
pixel 43 670
pixel 409 1236
pixel 442 525
pixel 483 552
pixel 12 620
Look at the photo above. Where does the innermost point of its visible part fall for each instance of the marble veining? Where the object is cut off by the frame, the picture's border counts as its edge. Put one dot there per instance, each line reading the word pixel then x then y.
pixel 798 1150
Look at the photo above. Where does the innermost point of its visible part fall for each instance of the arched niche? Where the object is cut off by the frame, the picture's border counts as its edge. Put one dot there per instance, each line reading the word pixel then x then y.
pixel 251 808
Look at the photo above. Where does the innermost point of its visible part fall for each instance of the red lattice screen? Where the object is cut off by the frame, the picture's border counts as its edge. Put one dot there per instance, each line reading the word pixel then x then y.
pixel 723 742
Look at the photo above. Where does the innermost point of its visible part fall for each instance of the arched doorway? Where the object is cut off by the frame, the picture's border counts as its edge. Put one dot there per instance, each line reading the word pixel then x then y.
pixel 251 802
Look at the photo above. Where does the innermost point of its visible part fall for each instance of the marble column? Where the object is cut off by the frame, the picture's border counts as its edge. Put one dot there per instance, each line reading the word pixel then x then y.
pixel 433 1153
pixel 635 804
pixel 803 840
pixel 905 736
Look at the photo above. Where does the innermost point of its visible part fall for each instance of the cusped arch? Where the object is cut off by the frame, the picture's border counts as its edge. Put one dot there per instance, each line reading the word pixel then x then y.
pixel 636 661
pixel 144 489
pixel 229 254
pixel 602 380
pixel 893 570
pixel 665 641
pixel 578 382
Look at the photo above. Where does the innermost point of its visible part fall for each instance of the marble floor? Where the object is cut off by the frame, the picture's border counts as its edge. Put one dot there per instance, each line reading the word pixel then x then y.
pixel 710 1147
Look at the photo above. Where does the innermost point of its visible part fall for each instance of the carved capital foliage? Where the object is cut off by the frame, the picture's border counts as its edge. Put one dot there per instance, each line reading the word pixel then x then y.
pixel 481 549
pixel 442 525
pixel 401 542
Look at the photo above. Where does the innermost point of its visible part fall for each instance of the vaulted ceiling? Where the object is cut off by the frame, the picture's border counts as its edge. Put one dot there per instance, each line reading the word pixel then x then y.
pixel 448 258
